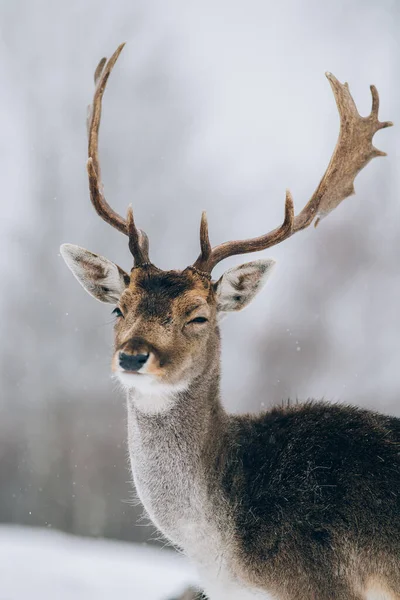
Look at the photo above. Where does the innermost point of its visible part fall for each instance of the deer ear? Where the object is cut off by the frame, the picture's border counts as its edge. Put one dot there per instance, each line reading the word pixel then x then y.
pixel 103 279
pixel 238 286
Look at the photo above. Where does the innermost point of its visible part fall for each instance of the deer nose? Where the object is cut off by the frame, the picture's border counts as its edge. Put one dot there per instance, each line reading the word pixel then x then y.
pixel 132 362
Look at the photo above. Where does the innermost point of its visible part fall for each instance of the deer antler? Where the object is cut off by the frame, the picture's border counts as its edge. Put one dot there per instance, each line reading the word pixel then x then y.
pixel 354 149
pixel 138 242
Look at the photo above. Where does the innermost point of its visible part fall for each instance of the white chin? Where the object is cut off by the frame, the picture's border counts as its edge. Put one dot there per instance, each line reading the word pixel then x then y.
pixel 148 394
pixel 134 380
pixel 149 384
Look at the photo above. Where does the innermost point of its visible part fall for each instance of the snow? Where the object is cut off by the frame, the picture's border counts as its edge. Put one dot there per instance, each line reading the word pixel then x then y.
pixel 43 564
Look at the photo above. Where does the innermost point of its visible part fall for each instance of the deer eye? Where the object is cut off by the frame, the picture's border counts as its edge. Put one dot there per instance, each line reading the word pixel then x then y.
pixel 198 320
pixel 117 312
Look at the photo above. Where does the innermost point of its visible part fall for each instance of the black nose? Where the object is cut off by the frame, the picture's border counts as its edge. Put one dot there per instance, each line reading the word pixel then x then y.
pixel 132 362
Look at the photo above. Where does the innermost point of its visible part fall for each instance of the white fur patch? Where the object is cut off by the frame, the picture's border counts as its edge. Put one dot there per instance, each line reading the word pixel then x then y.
pixel 148 394
pixel 378 594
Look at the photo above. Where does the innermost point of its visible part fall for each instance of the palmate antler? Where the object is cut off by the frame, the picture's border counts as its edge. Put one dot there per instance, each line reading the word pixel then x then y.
pixel 138 241
pixel 354 149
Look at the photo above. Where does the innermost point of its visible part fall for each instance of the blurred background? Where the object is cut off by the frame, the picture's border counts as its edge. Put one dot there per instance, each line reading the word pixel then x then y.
pixel 212 105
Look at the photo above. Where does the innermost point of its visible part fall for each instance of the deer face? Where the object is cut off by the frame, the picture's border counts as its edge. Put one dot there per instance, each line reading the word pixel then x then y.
pixel 166 329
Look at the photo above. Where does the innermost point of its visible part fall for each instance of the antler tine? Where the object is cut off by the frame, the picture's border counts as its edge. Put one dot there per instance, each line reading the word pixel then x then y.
pixel 208 260
pixel 99 69
pixel 205 245
pixel 353 151
pixel 138 241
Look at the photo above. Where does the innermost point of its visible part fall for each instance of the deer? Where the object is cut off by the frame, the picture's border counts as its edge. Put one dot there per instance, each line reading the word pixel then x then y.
pixel 299 502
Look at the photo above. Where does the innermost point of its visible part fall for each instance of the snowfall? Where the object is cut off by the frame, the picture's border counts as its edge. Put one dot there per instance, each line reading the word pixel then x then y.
pixel 43 564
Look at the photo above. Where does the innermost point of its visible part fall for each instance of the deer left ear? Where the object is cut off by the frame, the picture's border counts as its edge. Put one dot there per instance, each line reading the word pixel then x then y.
pixel 101 278
pixel 238 286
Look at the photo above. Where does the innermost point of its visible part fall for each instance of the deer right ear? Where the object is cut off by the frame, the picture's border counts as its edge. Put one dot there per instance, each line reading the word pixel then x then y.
pixel 238 286
pixel 100 277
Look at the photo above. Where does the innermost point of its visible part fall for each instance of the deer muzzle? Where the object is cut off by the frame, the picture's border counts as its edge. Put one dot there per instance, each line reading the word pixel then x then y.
pixel 132 362
pixel 137 355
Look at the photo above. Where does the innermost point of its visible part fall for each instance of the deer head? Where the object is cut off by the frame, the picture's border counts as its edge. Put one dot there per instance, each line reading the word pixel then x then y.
pixel 166 331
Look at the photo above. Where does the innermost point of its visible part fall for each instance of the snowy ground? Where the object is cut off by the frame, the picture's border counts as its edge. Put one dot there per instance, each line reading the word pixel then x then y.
pixel 42 564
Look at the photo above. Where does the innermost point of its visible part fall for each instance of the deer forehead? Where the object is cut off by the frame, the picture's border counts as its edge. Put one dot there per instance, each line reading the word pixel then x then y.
pixel 161 294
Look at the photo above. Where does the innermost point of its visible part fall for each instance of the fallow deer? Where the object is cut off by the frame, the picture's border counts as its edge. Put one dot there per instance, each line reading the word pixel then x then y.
pixel 297 503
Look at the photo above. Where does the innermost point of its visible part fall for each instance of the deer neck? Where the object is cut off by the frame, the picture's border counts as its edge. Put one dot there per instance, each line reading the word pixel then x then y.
pixel 186 425
pixel 171 453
